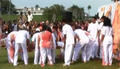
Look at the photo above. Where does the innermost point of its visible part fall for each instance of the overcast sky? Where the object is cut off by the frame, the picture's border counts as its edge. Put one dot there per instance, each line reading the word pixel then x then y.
pixel 66 3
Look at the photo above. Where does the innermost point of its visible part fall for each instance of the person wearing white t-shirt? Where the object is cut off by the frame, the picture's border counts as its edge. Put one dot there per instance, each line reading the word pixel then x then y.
pixel 10 44
pixel 106 42
pixel 82 44
pixel 69 43
pixel 93 30
pixel 29 16
pixel 37 50
pixel 21 40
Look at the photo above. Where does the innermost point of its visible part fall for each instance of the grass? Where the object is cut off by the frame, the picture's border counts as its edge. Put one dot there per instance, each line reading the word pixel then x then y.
pixel 15 17
pixel 93 64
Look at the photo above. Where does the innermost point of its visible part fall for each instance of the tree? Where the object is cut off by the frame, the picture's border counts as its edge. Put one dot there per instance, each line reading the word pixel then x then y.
pixel 54 13
pixel 89 8
pixel 78 13
pixel 37 6
pixel 5 8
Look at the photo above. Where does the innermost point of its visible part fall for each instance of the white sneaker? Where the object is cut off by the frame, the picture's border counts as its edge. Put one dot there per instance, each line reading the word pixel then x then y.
pixel 66 65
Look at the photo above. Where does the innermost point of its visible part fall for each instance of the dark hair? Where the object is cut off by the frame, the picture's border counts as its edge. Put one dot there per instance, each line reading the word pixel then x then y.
pixel 67 17
pixel 107 21
pixel 115 0
pixel 45 27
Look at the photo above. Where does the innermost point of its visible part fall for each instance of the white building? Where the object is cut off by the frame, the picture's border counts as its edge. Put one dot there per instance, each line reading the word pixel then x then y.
pixel 34 11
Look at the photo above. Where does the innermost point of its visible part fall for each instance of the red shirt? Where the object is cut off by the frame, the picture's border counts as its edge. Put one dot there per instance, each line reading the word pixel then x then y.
pixel 45 39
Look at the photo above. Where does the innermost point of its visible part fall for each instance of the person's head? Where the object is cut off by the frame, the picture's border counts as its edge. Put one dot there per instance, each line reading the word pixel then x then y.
pixel 29 12
pixel 116 0
pixel 67 17
pixel 94 19
pixel 106 21
pixel 47 22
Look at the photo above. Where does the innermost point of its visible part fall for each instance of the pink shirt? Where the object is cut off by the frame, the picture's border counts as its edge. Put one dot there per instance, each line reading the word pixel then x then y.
pixel 45 39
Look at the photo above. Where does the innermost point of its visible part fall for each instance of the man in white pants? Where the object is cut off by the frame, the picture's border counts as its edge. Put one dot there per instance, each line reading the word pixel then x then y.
pixel 21 41
pixel 93 30
pixel 10 44
pixel 83 42
pixel 69 45
pixel 37 49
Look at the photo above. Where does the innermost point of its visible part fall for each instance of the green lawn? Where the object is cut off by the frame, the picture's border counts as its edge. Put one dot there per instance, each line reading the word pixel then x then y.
pixel 93 64
pixel 14 17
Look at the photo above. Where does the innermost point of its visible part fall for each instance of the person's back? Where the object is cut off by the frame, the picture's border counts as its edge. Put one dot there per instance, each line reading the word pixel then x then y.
pixel 46 36
pixel 22 35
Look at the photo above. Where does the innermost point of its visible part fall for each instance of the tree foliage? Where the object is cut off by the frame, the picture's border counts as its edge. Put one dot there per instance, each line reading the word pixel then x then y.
pixel 7 6
pixel 78 13
pixel 54 13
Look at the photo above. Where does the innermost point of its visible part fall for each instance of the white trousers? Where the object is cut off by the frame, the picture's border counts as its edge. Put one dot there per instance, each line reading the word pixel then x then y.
pixel 45 53
pixel 84 52
pixel 25 54
pixel 68 53
pixel 36 55
pixel 107 53
pixel 8 44
pixel 76 52
pixel 53 54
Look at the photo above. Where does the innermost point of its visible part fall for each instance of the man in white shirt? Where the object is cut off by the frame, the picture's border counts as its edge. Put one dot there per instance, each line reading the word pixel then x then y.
pixel 83 41
pixel 93 30
pixel 69 43
pixel 29 16
pixel 21 40
pixel 37 50
pixel 10 44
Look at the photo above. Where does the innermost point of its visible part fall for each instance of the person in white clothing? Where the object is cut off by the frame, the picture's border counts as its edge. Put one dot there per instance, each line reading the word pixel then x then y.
pixel 37 49
pixel 10 44
pixel 83 41
pixel 29 16
pixel 21 40
pixel 107 42
pixel 69 43
pixel 93 30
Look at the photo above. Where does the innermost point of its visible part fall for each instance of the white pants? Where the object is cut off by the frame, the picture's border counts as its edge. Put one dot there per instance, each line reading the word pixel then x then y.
pixel 107 53
pixel 8 44
pixel 36 55
pixel 45 52
pixel 68 53
pixel 76 52
pixel 53 54
pixel 25 54
pixel 84 52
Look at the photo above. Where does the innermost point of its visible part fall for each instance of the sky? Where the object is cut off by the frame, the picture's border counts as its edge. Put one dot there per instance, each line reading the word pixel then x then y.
pixel 95 4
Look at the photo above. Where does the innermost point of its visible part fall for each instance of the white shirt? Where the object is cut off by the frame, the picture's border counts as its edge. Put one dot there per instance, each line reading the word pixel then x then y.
pixel 35 38
pixel 22 36
pixel 93 29
pixel 30 17
pixel 82 36
pixel 68 31
pixel 15 27
pixel 107 32
pixel 54 40
pixel 9 35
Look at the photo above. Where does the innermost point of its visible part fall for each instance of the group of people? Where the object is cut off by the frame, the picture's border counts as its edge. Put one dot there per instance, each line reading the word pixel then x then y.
pixel 98 38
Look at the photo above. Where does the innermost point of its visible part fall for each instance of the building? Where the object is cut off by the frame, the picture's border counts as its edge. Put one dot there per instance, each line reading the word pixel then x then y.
pixel 34 11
